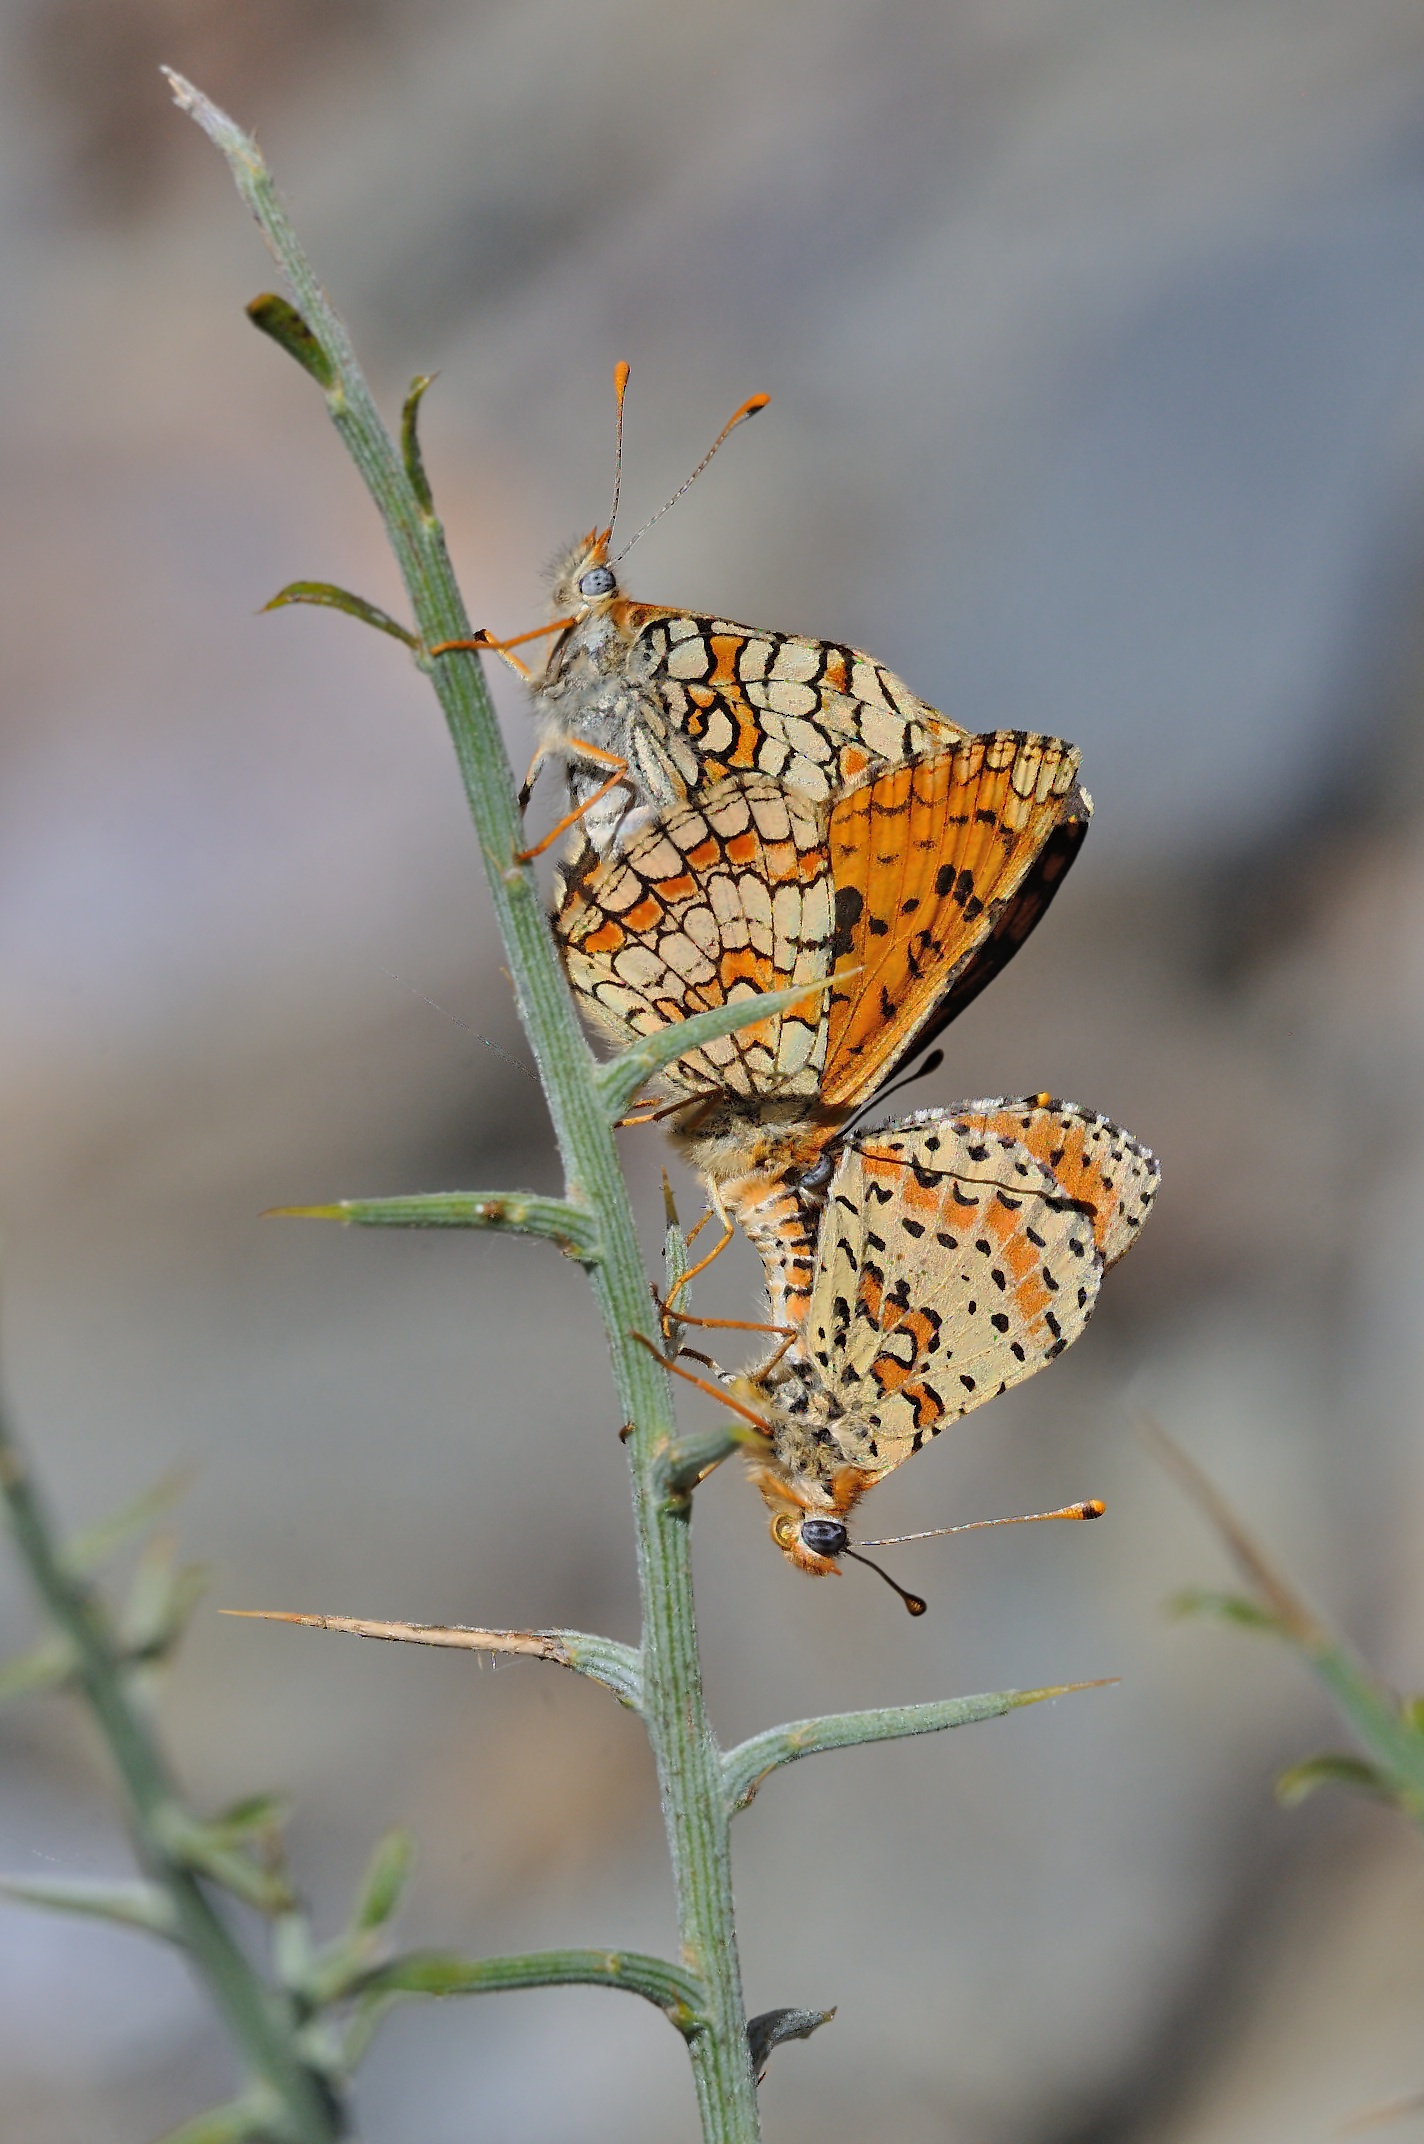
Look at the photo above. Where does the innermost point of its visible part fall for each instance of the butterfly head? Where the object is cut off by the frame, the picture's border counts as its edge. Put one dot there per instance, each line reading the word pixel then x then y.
pixel 581 579
pixel 813 1545
pixel 808 1519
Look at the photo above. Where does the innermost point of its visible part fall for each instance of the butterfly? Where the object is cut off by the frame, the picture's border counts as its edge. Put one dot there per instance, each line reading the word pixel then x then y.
pixel 959 1252
pixel 908 891
pixel 647 705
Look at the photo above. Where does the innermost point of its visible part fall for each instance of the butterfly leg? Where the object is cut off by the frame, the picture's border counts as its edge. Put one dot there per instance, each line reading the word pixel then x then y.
pixel 483 643
pixel 571 818
pixel 647 1114
pixel 684 1280
pixel 734 1325
pixel 702 1384
pixel 788 1335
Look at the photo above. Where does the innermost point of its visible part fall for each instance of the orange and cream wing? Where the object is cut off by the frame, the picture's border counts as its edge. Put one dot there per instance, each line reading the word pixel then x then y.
pixel 724 898
pixel 681 701
pixel 930 862
pixel 952 1265
pixel 811 713
pixel 1095 1161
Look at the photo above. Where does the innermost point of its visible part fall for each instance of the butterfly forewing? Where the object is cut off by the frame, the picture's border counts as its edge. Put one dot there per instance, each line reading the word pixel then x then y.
pixel 928 862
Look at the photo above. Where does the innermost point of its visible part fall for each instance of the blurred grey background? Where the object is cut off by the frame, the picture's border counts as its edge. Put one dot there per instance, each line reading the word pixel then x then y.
pixel 1095 337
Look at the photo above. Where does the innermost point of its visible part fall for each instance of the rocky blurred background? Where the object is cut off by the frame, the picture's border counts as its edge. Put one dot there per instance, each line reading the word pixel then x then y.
pixel 1095 337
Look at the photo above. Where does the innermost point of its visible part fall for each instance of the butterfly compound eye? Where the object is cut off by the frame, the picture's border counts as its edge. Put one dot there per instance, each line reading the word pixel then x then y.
pixel 824 1537
pixel 598 582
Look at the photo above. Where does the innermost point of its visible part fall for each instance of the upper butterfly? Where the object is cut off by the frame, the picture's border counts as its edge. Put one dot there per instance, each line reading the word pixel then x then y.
pixel 648 706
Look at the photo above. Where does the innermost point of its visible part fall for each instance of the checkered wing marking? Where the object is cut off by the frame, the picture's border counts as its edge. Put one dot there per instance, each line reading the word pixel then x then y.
pixel 928 860
pixel 811 713
pixel 951 1266
pixel 1094 1160
pixel 722 899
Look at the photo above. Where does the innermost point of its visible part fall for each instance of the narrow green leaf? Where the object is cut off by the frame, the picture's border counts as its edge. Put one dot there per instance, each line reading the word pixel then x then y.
pixel 160 1601
pixel 691 1459
pixel 287 328
pixel 439 1973
pixel 90 1549
pixel 256 1816
pixel 1375 1715
pixel 622 1076
pixel 132 1903
pixel 410 441
pixel 572 1229
pixel 385 1880
pixel 1412 1714
pixel 327 596
pixel 249 2120
pixel 208 1850
pixel 47 1666
pixel 293 1952
pixel 674 1266
pixel 774 2027
pixel 745 1767
pixel 329 1976
pixel 1224 1608
pixel 1300 1780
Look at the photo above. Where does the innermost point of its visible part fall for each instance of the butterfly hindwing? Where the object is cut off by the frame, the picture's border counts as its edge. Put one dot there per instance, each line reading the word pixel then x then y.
pixel 952 1265
pixel 1094 1160
pixel 685 700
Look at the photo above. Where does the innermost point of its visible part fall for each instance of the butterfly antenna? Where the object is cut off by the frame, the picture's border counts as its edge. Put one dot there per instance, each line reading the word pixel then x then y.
pixel 922 1071
pixel 1092 1507
pixel 622 372
pixel 912 1600
pixel 748 409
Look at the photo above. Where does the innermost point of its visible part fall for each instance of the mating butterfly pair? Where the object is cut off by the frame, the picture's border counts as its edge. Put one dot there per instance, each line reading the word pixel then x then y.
pixel 757 811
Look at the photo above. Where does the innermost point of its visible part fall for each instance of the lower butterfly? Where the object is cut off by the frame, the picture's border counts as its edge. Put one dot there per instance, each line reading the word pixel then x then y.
pixel 958 1253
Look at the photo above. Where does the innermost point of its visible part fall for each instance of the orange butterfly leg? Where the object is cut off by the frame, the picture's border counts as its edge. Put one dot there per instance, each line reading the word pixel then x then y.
pixel 649 1115
pixel 702 1385
pixel 483 643
pixel 701 1266
pixel 571 818
pixel 739 1325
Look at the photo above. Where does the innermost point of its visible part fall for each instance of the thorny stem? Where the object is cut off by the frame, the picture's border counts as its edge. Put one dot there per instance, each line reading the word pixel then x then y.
pixel 686 1754
pixel 262 2022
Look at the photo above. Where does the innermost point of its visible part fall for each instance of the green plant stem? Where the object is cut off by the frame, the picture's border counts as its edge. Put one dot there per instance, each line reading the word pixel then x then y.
pixel 745 1767
pixel 572 1229
pixel 686 1754
pixel 260 2021
pixel 439 1973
